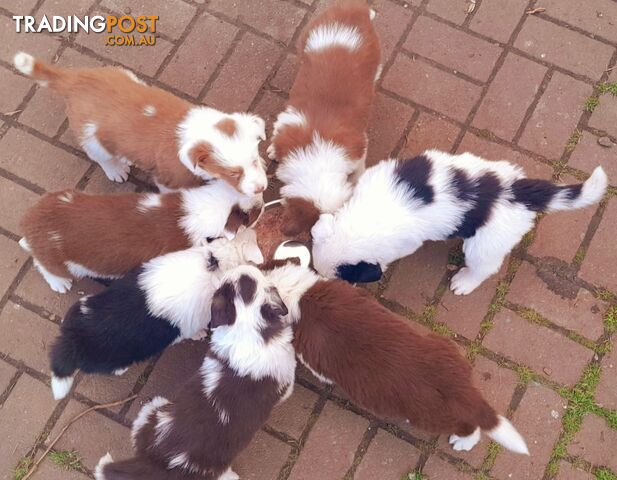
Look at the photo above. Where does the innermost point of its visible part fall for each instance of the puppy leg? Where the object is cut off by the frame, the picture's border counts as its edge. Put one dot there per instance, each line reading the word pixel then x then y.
pixel 120 371
pixel 229 474
pixel 56 283
pixel 116 168
pixel 486 250
pixel 465 443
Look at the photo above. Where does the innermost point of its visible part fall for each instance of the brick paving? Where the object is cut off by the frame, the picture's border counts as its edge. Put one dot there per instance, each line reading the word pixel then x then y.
pixel 492 80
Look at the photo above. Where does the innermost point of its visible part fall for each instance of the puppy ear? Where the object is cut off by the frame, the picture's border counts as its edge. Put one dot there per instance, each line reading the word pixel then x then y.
pixel 276 308
pixel 223 310
pixel 324 227
pixel 250 249
pixel 202 155
pixel 361 272
pixel 299 216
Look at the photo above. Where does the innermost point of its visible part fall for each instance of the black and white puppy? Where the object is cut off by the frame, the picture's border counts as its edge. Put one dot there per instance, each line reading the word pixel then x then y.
pixel 248 370
pixel 397 205
pixel 164 301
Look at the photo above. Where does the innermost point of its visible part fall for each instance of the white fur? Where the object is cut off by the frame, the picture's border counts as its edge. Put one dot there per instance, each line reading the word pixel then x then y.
pixel 60 387
pixel 66 197
pixel 23 243
pixel 148 202
pixel 133 77
pixel 55 237
pixel 229 474
pixel 239 150
pixel 115 168
pixel 318 172
pixel 83 308
pixel 164 423
pixel 592 192
pixel 465 443
pixel 181 460
pixel 24 63
pixel 331 35
pixel 118 372
pixel 79 271
pixel 372 14
pixel 285 250
pixel 316 374
pixel 98 471
pixel 144 415
pixel 211 372
pixel 56 283
pixel 505 434
pixel 289 116
pixel 383 222
pixel 149 110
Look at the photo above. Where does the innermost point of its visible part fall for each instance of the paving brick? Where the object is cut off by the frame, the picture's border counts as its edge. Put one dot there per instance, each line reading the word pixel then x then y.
pixel 555 116
pixel 598 17
pixel 464 313
pixel 41 163
pixel 331 445
pixel 92 436
pixel 35 290
pixel 490 150
pixel 188 75
pixel 598 267
pixel 291 416
pixel 589 154
pixel 64 8
pixel 50 471
pixel 605 115
pixel 563 47
pixel 452 48
pixel 544 349
pixel 174 15
pixel 19 199
pixel 22 419
pixel 7 372
pixel 99 184
pixel 286 74
pixel 606 392
pixel 564 304
pixel 509 96
pixel 430 131
pixel 387 458
pixel 595 442
pixel 497 386
pixel 570 472
pixel 274 17
pixel 30 339
pixel 455 11
pixel 174 367
pixel 390 23
pixel 14 88
pixel 144 59
pixel 388 121
pixel 416 277
pixel 11 42
pixel 19 7
pixel 559 235
pixel 263 459
pixel 431 87
pixel 12 258
pixel 538 420
pixel 498 19
pixel 243 74
pixel 438 469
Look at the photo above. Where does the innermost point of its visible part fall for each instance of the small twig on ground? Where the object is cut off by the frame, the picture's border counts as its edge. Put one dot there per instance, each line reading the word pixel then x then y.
pixel 533 11
pixel 36 464
pixel 12 113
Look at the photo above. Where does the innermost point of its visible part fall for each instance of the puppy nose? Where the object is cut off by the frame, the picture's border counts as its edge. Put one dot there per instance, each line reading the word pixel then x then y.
pixel 260 189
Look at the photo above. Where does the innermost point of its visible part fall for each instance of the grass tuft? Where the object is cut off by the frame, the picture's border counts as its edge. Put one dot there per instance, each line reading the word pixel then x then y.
pixel 591 103
pixel 23 467
pixel 67 460
pixel 573 141
pixel 603 473
pixel 610 320
pixel 608 87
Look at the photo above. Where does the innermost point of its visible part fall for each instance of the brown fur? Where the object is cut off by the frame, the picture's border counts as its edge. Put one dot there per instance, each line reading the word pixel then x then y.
pixel 227 126
pixel 383 365
pixel 299 216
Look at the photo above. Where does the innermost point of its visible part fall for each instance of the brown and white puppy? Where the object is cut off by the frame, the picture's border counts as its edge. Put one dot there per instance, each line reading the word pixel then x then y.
pixel 320 139
pixel 249 369
pixel 345 336
pixel 119 121
pixel 74 234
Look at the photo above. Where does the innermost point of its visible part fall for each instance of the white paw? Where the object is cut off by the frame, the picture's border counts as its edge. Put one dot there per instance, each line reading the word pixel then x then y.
pixel 118 172
pixel 271 151
pixel 464 443
pixel 200 335
pixel 464 282
pixel 120 371
pixel 229 474
pixel 59 284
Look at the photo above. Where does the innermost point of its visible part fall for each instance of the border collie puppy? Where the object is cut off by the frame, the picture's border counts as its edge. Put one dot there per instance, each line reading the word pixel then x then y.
pixel 74 234
pixel 249 369
pixel 343 335
pixel 119 121
pixel 165 301
pixel 320 139
pixel 399 204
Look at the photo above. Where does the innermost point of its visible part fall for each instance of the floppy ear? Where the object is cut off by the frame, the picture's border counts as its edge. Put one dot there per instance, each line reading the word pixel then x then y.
pixel 299 216
pixel 223 310
pixel 324 227
pixel 261 127
pixel 202 155
pixel 361 272
pixel 275 309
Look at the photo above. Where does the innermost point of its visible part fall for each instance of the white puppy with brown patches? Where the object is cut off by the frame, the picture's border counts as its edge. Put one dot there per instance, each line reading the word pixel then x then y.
pixel 249 369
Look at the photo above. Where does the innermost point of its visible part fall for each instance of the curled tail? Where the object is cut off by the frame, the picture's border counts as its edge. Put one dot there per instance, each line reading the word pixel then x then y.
pixel 64 359
pixel 138 468
pixel 36 69
pixel 545 196
pixel 506 435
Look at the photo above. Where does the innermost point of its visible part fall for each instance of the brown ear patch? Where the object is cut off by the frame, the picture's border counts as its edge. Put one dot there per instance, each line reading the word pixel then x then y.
pixel 247 287
pixel 223 310
pixel 299 216
pixel 227 126
pixel 202 155
pixel 237 217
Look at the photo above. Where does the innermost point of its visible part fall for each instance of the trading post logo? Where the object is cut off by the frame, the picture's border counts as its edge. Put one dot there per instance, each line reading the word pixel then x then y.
pixel 126 30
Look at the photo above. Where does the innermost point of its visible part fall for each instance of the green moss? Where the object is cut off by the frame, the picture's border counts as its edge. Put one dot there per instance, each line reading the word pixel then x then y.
pixel 442 329
pixel 573 141
pixel 605 295
pixel 413 476
pixel 23 467
pixel 579 257
pixel 456 257
pixel 603 473
pixel 607 87
pixel 610 319
pixel 591 103
pixel 67 460
pixel 525 374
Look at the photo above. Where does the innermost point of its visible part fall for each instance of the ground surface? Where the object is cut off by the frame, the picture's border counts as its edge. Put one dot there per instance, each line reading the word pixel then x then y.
pixel 497 82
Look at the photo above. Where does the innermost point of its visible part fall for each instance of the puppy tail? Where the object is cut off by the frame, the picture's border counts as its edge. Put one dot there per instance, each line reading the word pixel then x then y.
pixel 544 196
pixel 64 362
pixel 138 468
pixel 506 435
pixel 36 69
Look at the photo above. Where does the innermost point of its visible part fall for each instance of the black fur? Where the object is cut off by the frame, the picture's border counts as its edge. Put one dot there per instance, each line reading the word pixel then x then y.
pixel 484 192
pixel 223 309
pixel 213 263
pixel 537 194
pixel 361 272
pixel 273 314
pixel 247 287
pixel 416 173
pixel 115 332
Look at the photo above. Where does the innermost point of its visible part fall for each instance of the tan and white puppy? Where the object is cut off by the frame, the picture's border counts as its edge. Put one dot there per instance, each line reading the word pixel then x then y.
pixel 119 121
pixel 320 139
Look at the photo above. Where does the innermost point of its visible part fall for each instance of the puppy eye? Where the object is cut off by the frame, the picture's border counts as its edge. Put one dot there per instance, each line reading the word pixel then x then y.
pixel 234 174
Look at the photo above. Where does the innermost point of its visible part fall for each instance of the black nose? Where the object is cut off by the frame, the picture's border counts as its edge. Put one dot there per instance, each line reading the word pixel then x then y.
pixel 361 272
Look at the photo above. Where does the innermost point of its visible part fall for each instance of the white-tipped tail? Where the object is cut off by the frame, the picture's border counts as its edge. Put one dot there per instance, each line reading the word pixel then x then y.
pixel 506 435
pixel 24 62
pixel 592 192
pixel 23 243
pixel 60 387
pixel 144 414
pixel 98 471
pixel 372 14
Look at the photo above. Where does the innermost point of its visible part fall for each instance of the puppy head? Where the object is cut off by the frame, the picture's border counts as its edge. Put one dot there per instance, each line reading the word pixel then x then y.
pixel 225 146
pixel 246 308
pixel 336 255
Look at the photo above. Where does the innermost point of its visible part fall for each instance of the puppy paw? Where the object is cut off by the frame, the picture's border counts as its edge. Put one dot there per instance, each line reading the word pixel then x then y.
pixel 200 335
pixel 464 443
pixel 118 172
pixel 59 284
pixel 120 371
pixel 464 282
pixel 271 151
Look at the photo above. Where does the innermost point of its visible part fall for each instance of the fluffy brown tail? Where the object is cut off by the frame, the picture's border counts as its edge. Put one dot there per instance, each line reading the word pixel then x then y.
pixel 36 69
